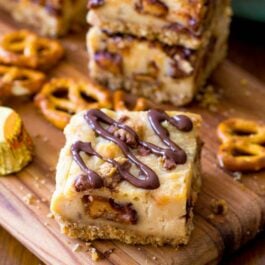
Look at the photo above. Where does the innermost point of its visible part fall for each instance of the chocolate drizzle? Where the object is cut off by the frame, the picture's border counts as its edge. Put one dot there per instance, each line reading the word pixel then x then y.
pixel 148 178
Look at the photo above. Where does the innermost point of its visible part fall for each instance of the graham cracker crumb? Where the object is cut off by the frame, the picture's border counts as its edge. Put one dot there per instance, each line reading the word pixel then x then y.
pixel 77 248
pixel 29 199
pixel 95 254
pixel 208 98
pixel 45 139
pixel 108 252
pixel 154 258
pixel 50 215
pixel 210 216
pixel 51 169
pixel 237 176
pixel 43 181
pixel 244 82
pixel 219 207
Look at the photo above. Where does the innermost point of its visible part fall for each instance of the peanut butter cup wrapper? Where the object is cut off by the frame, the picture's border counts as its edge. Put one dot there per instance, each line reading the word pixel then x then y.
pixel 16 146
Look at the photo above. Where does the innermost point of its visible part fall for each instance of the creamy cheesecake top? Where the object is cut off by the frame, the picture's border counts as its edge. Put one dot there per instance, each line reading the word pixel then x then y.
pixel 137 153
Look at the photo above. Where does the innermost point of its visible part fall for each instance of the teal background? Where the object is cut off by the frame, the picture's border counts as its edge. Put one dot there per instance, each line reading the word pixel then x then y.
pixel 251 9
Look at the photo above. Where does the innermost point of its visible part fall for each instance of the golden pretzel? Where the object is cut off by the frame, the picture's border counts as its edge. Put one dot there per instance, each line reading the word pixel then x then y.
pixel 119 102
pixel 243 145
pixel 25 49
pixel 16 81
pixel 61 98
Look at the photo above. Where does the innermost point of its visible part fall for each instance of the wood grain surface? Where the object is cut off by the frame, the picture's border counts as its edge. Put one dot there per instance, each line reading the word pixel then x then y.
pixel 211 239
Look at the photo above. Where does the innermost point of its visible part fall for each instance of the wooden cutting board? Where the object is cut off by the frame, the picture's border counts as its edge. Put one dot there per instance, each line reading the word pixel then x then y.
pixel 210 239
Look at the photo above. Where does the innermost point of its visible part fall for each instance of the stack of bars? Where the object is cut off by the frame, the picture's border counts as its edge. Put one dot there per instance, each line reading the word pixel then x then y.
pixel 161 49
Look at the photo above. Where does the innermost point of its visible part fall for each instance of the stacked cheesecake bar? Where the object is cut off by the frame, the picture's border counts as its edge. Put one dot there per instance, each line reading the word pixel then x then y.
pixel 161 49
pixel 50 17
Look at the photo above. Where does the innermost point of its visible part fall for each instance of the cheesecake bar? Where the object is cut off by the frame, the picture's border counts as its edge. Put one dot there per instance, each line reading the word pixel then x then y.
pixel 152 69
pixel 129 176
pixel 50 17
pixel 181 22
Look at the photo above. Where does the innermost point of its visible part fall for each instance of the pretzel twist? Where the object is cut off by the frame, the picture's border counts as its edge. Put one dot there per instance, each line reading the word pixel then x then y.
pixel 61 98
pixel 25 49
pixel 16 81
pixel 119 102
pixel 243 145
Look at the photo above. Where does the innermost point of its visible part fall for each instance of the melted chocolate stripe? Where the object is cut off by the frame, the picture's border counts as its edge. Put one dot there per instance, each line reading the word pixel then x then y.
pixel 150 181
pixel 94 179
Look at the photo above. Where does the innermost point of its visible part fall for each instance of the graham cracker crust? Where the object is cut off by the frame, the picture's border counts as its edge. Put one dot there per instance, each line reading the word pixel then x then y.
pixel 93 232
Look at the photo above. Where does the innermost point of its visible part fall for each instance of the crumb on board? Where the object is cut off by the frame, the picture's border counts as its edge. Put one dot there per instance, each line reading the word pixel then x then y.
pixel 219 207
pixel 243 81
pixel 95 255
pixel 154 258
pixel 52 169
pixel 50 215
pixel 88 244
pixel 237 176
pixel 29 199
pixel 108 252
pixel 210 216
pixel 43 181
pixel 208 98
pixel 77 248
pixel 45 139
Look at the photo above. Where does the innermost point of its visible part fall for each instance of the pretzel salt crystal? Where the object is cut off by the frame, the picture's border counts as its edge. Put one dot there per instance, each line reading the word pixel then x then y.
pixel 25 49
pixel 243 145
pixel 61 98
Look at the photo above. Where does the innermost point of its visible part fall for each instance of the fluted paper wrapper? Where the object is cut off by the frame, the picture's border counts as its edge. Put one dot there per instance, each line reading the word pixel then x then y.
pixel 15 144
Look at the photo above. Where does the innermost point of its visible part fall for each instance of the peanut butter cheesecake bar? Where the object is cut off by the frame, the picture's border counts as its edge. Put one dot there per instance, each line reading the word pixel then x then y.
pixel 50 17
pixel 181 22
pixel 129 176
pixel 152 69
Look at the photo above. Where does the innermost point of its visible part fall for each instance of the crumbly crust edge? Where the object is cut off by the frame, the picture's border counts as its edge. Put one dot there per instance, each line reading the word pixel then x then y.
pixel 93 232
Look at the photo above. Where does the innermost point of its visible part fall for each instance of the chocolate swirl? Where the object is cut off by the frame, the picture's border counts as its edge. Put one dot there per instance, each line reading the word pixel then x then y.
pixel 148 178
